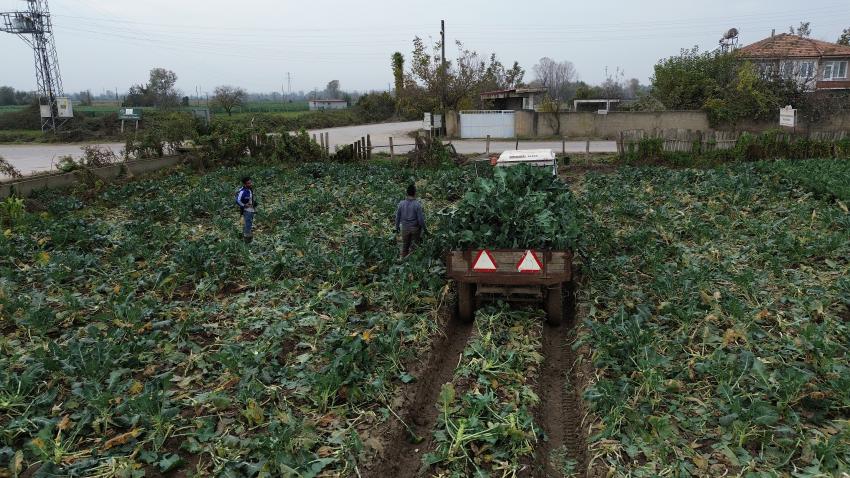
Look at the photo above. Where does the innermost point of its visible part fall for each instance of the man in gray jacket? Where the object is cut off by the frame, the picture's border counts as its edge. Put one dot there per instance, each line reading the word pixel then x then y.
pixel 409 221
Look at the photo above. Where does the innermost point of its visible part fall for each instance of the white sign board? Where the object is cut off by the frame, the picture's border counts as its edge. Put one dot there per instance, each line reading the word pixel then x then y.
pixel 66 109
pixel 788 117
pixel 45 111
pixel 426 121
pixel 438 121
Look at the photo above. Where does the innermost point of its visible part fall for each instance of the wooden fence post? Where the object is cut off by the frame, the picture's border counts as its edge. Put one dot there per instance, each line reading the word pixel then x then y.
pixel 516 147
pixel 563 145
pixel 621 146
pixel 587 147
pixel 356 146
pixel 314 138
pixel 322 142
pixel 392 149
pixel 328 142
pixel 368 146
pixel 488 144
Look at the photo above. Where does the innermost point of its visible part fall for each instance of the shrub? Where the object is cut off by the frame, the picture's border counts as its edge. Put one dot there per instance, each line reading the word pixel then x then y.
pixel 375 107
pixel 646 149
pixel 12 211
pixel 95 156
pixel 162 134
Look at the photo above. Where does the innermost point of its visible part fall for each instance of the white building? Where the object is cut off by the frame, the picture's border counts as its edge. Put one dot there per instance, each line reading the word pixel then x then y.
pixel 316 105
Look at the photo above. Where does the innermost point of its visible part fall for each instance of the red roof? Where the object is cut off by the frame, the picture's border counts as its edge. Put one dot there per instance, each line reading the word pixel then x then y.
pixel 786 45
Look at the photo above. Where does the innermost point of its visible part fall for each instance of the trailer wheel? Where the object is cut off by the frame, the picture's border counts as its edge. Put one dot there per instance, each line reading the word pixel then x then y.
pixel 465 302
pixel 555 306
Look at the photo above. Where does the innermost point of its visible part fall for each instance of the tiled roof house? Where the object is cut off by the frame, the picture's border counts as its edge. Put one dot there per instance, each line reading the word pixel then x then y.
pixel 823 65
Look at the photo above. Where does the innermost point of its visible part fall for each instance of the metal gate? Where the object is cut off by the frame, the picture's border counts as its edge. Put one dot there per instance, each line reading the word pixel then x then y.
pixel 483 123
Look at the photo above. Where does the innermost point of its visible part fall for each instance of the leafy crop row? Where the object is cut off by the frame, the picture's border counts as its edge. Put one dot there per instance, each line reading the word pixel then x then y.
pixel 717 321
pixel 485 424
pixel 826 179
pixel 139 335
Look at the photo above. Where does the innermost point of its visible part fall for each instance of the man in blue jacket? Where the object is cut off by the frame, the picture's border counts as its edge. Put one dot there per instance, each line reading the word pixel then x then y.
pixel 247 204
pixel 410 221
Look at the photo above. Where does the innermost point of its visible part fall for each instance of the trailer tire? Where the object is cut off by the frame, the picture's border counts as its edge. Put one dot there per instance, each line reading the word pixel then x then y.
pixel 555 306
pixel 465 302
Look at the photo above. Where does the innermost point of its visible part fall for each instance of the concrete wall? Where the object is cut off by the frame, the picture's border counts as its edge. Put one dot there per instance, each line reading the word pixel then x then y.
pixel 593 125
pixel 531 124
pixel 25 187
pixel 525 124
pixel 452 124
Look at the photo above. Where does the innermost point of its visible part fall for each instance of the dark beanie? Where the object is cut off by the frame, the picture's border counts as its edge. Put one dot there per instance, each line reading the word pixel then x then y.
pixel 411 190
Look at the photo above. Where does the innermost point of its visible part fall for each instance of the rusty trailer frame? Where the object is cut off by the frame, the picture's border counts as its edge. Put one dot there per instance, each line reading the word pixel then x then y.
pixel 505 282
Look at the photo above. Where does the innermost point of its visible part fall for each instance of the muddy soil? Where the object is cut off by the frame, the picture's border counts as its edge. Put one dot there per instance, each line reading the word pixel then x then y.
pixel 404 446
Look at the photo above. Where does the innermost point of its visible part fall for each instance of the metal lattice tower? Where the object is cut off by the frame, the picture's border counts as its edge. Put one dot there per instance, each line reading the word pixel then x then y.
pixel 36 29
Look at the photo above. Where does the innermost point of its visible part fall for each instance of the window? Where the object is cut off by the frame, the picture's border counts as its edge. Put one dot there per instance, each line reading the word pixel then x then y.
pixel 835 70
pixel 807 69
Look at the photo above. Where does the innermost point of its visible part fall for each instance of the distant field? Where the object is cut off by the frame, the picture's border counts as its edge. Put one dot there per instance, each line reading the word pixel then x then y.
pixel 100 109
pixel 8 109
pixel 22 136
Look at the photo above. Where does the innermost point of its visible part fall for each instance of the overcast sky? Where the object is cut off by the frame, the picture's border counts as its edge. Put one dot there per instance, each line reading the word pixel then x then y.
pixel 109 44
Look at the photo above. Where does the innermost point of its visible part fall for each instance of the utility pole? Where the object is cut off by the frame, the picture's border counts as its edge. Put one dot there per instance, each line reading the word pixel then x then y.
pixel 35 27
pixel 289 82
pixel 443 67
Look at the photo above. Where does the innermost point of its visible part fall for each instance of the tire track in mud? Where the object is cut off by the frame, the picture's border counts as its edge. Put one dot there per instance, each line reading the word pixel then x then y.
pixel 402 457
pixel 559 413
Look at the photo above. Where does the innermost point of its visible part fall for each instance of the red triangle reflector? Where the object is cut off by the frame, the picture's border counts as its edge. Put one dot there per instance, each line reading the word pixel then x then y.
pixel 484 262
pixel 529 263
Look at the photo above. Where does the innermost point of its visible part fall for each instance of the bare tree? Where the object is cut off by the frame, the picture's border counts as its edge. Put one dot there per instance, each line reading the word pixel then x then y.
pixel 804 30
pixel 229 97
pixel 613 86
pixel 556 77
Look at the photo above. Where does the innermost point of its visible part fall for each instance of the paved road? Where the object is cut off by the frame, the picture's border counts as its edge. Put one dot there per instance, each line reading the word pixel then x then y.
pixel 400 132
pixel 41 157
pixel 29 158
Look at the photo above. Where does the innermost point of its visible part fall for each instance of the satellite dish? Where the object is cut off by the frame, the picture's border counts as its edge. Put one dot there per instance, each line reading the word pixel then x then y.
pixel 730 34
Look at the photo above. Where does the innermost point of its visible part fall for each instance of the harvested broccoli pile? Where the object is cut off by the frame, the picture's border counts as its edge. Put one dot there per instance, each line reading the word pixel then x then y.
pixel 519 207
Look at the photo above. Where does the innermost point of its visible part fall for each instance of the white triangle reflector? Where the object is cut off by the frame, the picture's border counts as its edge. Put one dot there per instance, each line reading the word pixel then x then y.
pixel 484 262
pixel 529 263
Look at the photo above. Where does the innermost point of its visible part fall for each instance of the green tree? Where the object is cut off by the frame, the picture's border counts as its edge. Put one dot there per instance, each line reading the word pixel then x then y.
pixel 7 96
pixel 844 39
pixel 161 87
pixel 684 82
pixel 725 86
pixel 375 107
pixel 398 72
pixel 332 90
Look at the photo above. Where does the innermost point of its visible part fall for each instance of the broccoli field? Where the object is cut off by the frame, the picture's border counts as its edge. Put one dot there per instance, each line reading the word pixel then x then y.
pixel 140 336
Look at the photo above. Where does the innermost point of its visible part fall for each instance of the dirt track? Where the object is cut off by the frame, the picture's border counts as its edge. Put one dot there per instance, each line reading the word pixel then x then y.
pixel 559 413
pixel 402 457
